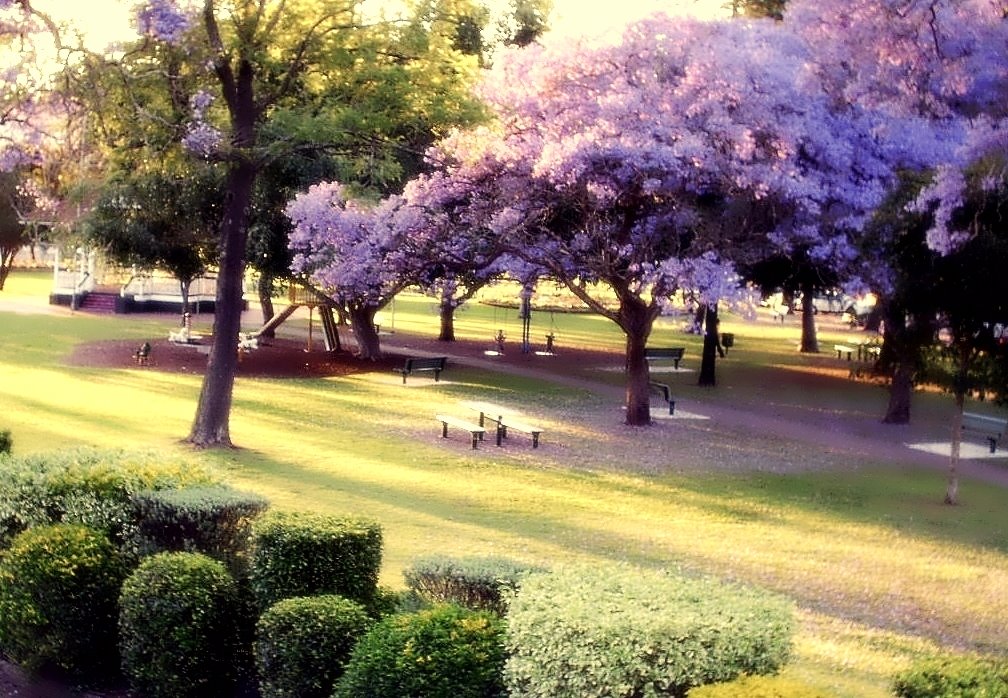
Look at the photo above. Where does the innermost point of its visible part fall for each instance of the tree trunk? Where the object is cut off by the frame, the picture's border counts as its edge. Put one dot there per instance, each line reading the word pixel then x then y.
pixel 636 320
pixel 952 485
pixel 901 356
pixel 447 312
pixel 265 290
pixel 809 339
pixel 711 348
pixel 960 388
pixel 6 262
pixel 900 393
pixel 211 426
pixel 638 385
pixel 184 286
pixel 362 320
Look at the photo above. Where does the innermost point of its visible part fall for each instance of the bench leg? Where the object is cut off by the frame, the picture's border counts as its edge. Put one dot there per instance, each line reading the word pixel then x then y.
pixel 671 406
pixel 500 434
pixel 675 364
pixel 437 375
pixel 444 430
pixel 993 444
pixel 475 439
pixel 404 377
pixel 535 439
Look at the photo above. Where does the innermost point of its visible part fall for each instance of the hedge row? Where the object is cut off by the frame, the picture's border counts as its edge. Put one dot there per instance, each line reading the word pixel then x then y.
pixel 87 486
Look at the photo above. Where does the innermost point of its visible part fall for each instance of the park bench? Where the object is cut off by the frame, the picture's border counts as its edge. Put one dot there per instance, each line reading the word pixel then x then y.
pixel 504 422
pixel 841 349
pixel 475 430
pixel 666 392
pixel 991 428
pixel 423 363
pixel 673 354
pixel 142 354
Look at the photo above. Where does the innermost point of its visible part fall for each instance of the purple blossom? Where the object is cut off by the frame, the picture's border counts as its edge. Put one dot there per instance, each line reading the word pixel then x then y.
pixel 202 139
pixel 164 20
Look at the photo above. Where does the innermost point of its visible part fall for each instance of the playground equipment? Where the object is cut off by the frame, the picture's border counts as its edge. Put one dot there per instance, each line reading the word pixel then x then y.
pixel 303 295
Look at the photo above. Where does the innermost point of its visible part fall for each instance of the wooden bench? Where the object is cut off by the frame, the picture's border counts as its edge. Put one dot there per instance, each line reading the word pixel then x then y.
pixel 475 430
pixel 991 428
pixel 673 354
pixel 142 354
pixel 421 363
pixel 666 392
pixel 844 349
pixel 504 421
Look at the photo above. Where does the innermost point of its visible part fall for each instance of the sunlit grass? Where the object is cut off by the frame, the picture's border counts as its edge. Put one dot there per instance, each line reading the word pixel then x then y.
pixel 880 570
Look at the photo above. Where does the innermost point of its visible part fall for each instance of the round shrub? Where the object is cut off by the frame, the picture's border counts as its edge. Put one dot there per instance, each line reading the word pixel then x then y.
pixel 215 520
pixel 618 631
pixel 178 626
pixel 303 644
pixel 758 687
pixel 5 441
pixel 444 651
pixel 58 590
pixel 953 677
pixel 479 583
pixel 305 554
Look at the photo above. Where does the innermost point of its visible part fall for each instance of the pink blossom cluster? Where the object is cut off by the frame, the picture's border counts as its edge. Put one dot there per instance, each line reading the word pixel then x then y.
pixel 362 254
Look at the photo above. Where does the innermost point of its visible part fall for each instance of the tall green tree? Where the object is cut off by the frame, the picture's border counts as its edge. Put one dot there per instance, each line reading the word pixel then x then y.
pixel 248 84
pixel 161 219
pixel 12 227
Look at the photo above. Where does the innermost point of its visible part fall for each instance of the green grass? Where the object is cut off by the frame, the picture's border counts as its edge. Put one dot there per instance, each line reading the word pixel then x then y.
pixel 881 571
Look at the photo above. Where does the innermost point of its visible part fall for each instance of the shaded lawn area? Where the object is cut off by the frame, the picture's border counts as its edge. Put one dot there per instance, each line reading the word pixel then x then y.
pixel 880 570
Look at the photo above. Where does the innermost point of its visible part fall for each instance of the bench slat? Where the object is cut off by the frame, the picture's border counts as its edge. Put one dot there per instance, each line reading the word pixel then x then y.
pixel 423 363
pixel 991 428
pixel 475 430
pixel 674 354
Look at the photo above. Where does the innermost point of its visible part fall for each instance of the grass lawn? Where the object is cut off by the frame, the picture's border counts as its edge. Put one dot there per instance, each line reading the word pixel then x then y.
pixel 880 571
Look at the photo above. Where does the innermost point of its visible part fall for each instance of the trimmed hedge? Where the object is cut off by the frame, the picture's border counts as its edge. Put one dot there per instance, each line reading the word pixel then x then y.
pixel 616 631
pixel 215 520
pixel 953 677
pixel 86 486
pixel 58 591
pixel 6 442
pixel 758 687
pixel 442 652
pixel 303 644
pixel 479 583
pixel 178 626
pixel 305 554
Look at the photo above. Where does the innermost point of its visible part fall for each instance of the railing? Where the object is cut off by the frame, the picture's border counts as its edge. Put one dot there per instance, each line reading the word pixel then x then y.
pixel 144 287
pixel 71 281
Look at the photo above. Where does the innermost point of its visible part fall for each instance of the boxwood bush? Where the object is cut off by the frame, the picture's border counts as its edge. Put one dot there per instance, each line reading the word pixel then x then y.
pixel 306 554
pixel 215 520
pixel 303 644
pixel 617 631
pixel 442 652
pixel 58 591
pixel 758 687
pixel 178 627
pixel 88 486
pixel 953 677
pixel 479 583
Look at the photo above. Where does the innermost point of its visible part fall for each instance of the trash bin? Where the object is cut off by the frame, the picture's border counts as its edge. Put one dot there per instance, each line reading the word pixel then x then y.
pixel 727 340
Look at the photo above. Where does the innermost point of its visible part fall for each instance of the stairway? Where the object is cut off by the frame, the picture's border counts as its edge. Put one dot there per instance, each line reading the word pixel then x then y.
pixel 99 303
